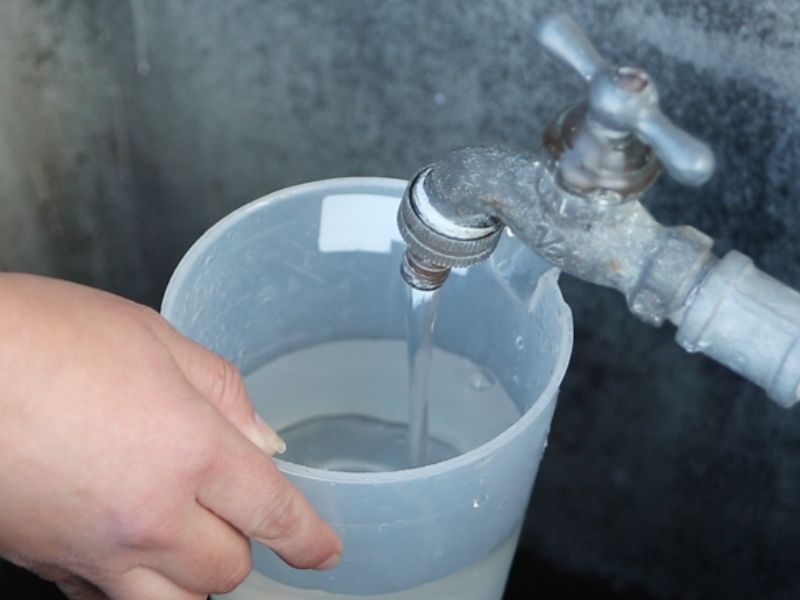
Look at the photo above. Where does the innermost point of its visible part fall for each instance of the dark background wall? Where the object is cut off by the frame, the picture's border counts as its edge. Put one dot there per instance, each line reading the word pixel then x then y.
pixel 127 128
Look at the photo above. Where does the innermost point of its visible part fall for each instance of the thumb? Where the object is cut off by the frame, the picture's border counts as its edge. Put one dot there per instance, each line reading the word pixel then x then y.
pixel 219 381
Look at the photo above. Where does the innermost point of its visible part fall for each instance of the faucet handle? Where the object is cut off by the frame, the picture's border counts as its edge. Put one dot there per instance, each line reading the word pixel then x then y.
pixel 565 40
pixel 625 100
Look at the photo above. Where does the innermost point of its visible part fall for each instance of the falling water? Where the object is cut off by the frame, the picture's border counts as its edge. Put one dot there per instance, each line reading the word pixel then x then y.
pixel 421 317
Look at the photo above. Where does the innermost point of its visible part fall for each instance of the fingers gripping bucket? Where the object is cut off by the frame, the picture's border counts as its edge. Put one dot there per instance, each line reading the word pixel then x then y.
pixel 316 265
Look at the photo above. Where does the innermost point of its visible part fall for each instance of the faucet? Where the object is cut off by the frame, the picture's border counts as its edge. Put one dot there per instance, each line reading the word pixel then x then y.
pixel 576 203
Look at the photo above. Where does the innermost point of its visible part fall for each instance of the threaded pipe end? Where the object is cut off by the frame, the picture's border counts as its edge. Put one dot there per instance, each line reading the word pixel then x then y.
pixel 421 274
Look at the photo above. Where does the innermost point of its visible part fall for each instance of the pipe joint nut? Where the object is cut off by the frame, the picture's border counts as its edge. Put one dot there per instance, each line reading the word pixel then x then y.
pixel 435 239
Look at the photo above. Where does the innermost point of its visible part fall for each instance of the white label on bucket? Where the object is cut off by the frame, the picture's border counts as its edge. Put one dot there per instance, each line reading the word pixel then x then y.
pixel 358 223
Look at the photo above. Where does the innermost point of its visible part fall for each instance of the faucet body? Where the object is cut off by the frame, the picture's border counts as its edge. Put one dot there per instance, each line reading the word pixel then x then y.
pixel 600 237
pixel 725 308
pixel 578 206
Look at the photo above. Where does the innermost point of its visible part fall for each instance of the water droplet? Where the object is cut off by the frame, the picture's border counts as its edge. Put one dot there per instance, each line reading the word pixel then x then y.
pixel 515 378
pixel 209 259
pixel 738 361
pixel 480 381
pixel 476 503
pixel 519 342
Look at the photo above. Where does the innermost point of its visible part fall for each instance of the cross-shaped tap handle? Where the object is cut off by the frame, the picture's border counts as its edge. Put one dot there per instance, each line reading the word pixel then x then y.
pixel 625 99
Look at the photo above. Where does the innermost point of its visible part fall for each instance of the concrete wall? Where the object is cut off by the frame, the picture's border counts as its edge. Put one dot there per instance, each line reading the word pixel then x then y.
pixel 127 128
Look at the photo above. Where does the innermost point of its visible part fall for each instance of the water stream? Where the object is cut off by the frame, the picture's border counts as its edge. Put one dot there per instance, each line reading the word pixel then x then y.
pixel 421 318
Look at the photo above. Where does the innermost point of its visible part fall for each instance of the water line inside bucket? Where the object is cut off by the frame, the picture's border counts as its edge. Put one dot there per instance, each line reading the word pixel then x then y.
pixel 343 406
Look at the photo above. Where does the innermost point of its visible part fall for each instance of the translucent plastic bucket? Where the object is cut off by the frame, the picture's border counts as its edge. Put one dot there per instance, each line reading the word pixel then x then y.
pixel 301 270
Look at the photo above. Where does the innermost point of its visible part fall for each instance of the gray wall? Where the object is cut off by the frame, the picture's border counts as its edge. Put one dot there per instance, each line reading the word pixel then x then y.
pixel 127 128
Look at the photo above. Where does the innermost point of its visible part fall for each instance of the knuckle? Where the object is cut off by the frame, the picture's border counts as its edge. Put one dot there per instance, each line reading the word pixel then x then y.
pixel 141 312
pixel 235 571
pixel 194 455
pixel 282 518
pixel 225 381
pixel 141 524
pixel 147 313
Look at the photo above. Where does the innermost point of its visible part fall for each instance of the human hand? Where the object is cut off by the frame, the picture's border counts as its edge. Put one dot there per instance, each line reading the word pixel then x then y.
pixel 132 464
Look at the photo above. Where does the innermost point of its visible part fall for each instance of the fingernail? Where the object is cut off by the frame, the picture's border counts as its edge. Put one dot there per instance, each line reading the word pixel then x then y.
pixel 272 443
pixel 331 562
